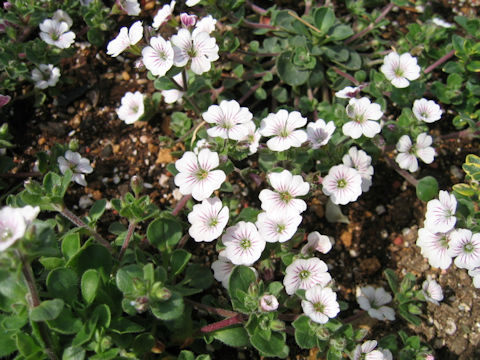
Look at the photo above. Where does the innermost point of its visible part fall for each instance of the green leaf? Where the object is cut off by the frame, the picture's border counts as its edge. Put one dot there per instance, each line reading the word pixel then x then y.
pixel 124 326
pixel 179 260
pixel 235 337
pixel 180 123
pixel 304 335
pixel 86 332
pixel 392 280
pixel 73 353
pixel 170 309
pixel 427 188
pixel 91 256
pixel 66 323
pixel 334 354
pixel 340 32
pixel 464 189
pixel 97 209
pixel 199 276
pixel 143 343
pixel 289 72
pixel 62 283
pixel 107 355
pixel 50 263
pixel 324 18
pixel 274 347
pixel 95 37
pixel 70 245
pixel 403 311
pixel 89 285
pixel 104 315
pixel 127 276
pixel 7 342
pixel 164 233
pixel 47 310
pixel 186 355
pixel 26 345
pixel 240 279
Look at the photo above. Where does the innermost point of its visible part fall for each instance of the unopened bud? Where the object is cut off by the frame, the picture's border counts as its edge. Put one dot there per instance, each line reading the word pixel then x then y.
pixel 188 20
pixel 160 292
pixel 136 183
pixel 277 325
pixel 338 344
pixel 268 303
pixel 7 5
pixel 140 304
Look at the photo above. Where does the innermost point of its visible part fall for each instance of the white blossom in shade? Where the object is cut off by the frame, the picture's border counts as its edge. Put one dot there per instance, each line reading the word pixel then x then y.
pixel 198 47
pixel 75 162
pixel 348 92
pixel 243 243
pixel 163 14
pixel 475 274
pixel 359 160
pixel 442 23
pixel 366 351
pixel 228 120
pixel 282 127
pixel 373 301
pixel 316 242
pixel 343 184
pixel 465 247
pixel 158 57
pixel 399 69
pixel 56 33
pixel 408 153
pixel 14 223
pixel 206 24
pixel 222 269
pixel 426 110
pixel 440 216
pixel 432 291
pixel 278 226
pixel 192 2
pixel 320 304
pixel 45 76
pixel 208 220
pixel 364 116
pixel 61 15
pixel 268 303
pixel 125 39
pixel 252 137
pixel 201 144
pixel 188 20
pixel 387 354
pixel 319 133
pixel 197 175
pixel 434 246
pixel 174 95
pixel 131 7
pixel 305 274
pixel 131 108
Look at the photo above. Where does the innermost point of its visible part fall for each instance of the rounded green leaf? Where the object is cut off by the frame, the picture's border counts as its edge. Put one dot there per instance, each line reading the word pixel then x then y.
pixel 170 309
pixel 127 276
pixel 289 72
pixel 62 283
pixel 427 188
pixel 47 310
pixel 164 233
pixel 89 285
pixel 235 337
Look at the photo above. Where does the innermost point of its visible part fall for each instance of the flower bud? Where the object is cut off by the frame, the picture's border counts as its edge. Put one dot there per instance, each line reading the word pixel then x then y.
pixel 277 325
pixel 160 292
pixel 268 303
pixel 338 344
pixel 140 304
pixel 7 5
pixel 136 183
pixel 188 20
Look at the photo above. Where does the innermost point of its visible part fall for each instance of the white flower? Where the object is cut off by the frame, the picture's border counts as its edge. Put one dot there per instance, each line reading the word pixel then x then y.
pixel 208 220
pixel 317 242
pixel 56 33
pixel 282 126
pixel 475 274
pixel 201 144
pixel 192 2
pixel 373 300
pixel 243 243
pixel 14 223
pixel 305 274
pixel 78 165
pixel 432 291
pixel 359 160
pixel 434 246
pixel 465 247
pixel 319 133
pixel 132 107
pixel 45 76
pixel 366 352
pixel 400 68
pixel 348 92
pixel 196 175
pixel 229 119
pixel 174 95
pixel 426 110
pixel 131 7
pixel 343 184
pixel 440 216
pixel 125 39
pixel 198 47
pixel 387 354
pixel 163 14
pixel 188 20
pixel 408 153
pixel 442 23
pixel 321 304
pixel 252 137
pixel 206 24
pixel 287 188
pixel 61 15
pixel 364 116
pixel 278 226
pixel 158 57
pixel 268 303
pixel 222 269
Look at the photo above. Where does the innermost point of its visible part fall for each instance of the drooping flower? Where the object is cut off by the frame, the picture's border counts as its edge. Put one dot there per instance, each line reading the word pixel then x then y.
pixel 163 14
pixel 45 76
pixel 229 120
pixel 373 301
pixel 132 107
pixel 366 351
pixel 14 223
pixel 364 116
pixel 319 133
pixel 222 269
pixel 208 220
pixel 197 175
pixel 465 247
pixel 56 33
pixel 305 274
pixel 426 110
pixel 206 24
pixel 440 216
pixel 316 242
pixel 282 127
pixel 188 20
pixel 278 226
pixel 252 137
pixel 348 92
pixel 61 15
pixel 320 304
pixel 243 243
pixel 408 153
pixel 198 47
pixel 434 246
pixel 131 7
pixel 359 160
pixel 432 291
pixel 174 95
pixel 125 39
pixel 399 69
pixel 343 184
pixel 287 188
pixel 158 57
pixel 79 166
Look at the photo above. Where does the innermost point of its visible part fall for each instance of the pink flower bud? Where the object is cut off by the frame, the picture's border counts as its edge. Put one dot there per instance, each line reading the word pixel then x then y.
pixel 22 55
pixel 188 20
pixel 268 303
pixel 7 5
pixel 4 100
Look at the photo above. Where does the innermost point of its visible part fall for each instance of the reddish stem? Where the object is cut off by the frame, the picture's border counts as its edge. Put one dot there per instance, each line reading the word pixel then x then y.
pixel 237 319
pixel 181 204
pixel 345 75
pixel 384 13
pixel 439 61
pixel 259 10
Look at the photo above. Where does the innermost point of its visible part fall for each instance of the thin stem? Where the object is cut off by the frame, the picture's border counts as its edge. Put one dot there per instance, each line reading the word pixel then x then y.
pixel 21 174
pixel 126 242
pixel 440 61
pixel 345 75
pixel 195 131
pixel 237 319
pixel 181 204
pixel 211 309
pixel 306 23
pixel 79 222
pixel 250 92
pixel 184 78
pixel 384 13
pixel 406 175
pixel 259 10
pixel 184 89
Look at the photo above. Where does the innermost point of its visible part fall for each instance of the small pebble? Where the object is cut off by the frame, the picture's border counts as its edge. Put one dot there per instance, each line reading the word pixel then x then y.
pixel 380 209
pixel 163 181
pixel 116 179
pixel 353 253
pixel 177 195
